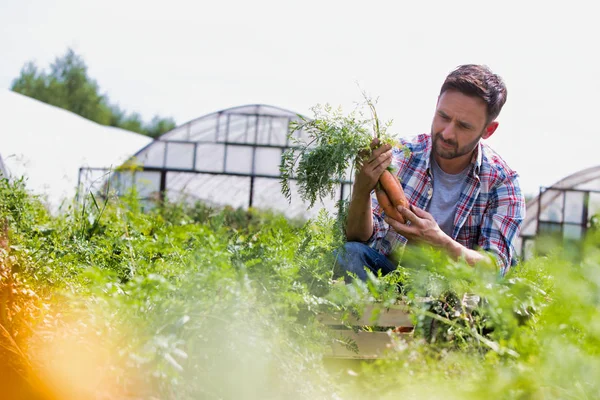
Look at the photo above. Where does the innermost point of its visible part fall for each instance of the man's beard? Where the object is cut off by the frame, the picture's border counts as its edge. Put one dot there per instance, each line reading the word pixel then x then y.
pixel 454 151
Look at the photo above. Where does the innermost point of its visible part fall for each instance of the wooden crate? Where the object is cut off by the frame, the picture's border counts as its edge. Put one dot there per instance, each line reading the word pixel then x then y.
pixel 371 335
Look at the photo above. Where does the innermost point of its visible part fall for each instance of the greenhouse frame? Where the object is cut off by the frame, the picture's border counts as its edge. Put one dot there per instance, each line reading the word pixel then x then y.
pixel 229 157
pixel 564 210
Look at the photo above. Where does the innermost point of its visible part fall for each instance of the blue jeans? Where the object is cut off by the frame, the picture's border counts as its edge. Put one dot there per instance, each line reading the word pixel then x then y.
pixel 356 256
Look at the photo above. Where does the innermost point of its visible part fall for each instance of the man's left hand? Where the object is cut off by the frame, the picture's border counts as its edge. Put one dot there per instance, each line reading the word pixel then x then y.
pixel 422 227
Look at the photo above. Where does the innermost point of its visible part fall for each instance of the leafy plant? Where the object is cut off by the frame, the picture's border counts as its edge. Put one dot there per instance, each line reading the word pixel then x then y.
pixel 170 304
pixel 332 146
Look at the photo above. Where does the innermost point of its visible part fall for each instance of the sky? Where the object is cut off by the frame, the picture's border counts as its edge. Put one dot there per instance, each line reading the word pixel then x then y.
pixel 185 59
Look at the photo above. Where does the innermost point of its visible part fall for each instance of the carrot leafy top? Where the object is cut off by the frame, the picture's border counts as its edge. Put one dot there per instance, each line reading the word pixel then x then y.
pixel 325 149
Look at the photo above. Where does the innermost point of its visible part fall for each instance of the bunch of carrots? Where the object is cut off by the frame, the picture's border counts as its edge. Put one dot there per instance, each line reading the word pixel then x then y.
pixel 320 162
pixel 390 195
pixel 388 191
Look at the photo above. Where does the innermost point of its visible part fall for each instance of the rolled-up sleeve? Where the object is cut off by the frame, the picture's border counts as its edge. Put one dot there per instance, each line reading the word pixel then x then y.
pixel 502 222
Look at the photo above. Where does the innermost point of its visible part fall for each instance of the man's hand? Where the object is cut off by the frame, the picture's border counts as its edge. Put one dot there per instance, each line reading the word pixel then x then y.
pixel 371 167
pixel 422 227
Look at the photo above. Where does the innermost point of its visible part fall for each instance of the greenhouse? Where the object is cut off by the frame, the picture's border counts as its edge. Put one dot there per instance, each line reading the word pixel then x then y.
pixel 565 209
pixel 229 157
pixel 3 173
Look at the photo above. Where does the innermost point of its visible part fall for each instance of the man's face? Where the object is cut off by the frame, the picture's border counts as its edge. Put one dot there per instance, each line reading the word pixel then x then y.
pixel 458 125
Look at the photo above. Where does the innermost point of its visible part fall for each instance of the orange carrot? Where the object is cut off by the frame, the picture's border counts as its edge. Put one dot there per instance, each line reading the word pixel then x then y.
pixel 393 189
pixel 386 205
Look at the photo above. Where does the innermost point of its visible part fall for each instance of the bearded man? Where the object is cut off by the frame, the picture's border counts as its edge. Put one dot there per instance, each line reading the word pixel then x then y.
pixel 463 196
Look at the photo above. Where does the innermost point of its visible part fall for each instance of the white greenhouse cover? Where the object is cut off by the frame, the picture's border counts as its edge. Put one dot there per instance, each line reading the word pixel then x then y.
pixel 48 145
pixel 3 172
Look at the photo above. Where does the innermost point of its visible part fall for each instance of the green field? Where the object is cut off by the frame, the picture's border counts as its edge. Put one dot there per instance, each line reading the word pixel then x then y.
pixel 187 302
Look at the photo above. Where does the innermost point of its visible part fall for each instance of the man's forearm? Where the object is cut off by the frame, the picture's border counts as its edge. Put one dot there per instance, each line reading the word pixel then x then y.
pixel 359 226
pixel 424 229
pixel 457 250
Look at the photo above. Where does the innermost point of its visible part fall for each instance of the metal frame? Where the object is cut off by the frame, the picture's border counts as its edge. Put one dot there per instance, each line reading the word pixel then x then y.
pixel 584 223
pixel 165 171
pixel 585 217
pixel 524 240
pixel 227 143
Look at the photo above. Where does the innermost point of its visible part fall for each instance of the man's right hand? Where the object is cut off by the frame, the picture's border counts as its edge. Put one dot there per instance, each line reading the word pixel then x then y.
pixel 370 167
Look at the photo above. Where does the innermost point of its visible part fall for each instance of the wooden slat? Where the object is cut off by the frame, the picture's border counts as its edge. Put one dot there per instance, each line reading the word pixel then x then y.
pixel 371 345
pixel 395 316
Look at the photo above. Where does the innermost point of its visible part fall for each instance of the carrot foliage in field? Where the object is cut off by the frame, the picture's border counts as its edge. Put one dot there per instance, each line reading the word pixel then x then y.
pixel 325 149
pixel 190 302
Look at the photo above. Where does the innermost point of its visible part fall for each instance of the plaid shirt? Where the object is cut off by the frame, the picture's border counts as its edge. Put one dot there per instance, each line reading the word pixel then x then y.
pixel 489 212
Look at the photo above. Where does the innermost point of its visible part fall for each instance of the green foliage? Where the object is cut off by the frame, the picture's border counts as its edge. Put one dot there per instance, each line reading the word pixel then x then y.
pixel 532 334
pixel 333 145
pixel 186 301
pixel 67 85
pixel 20 210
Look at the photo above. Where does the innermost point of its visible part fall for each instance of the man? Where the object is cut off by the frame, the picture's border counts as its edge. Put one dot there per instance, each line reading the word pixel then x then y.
pixel 463 197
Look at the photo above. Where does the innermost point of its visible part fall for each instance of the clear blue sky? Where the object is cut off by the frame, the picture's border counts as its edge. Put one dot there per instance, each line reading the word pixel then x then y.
pixel 185 59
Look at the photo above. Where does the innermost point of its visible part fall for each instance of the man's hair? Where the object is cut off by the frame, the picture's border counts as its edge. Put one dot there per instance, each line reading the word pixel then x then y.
pixel 479 81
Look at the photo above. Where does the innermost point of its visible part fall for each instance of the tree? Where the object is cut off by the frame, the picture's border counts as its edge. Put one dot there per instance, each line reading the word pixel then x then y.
pixel 158 126
pixel 68 86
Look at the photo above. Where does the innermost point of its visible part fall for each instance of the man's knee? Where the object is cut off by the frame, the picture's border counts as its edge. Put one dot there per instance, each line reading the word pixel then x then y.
pixel 351 252
pixel 352 258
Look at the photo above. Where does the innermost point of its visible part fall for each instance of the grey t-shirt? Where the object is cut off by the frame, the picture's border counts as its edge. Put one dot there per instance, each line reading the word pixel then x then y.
pixel 446 192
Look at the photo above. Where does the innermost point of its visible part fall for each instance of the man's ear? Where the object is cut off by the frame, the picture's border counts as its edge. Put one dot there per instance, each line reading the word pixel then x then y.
pixel 490 129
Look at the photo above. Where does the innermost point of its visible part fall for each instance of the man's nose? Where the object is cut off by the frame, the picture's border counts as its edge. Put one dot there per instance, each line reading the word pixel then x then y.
pixel 449 133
